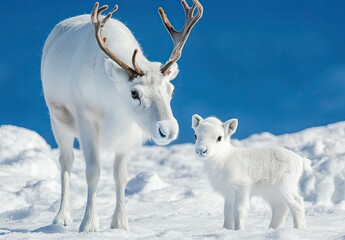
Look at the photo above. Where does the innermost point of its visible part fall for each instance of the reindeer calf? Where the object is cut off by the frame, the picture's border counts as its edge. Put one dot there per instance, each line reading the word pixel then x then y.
pixel 239 173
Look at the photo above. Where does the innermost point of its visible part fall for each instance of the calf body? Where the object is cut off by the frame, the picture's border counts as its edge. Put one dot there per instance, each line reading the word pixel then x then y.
pixel 239 173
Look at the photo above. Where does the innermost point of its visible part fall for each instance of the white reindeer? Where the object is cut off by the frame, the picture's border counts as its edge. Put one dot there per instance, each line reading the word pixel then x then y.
pixel 239 173
pixel 93 94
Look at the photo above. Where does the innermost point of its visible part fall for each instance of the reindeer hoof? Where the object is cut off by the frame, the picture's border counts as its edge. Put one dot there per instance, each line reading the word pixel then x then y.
pixel 63 218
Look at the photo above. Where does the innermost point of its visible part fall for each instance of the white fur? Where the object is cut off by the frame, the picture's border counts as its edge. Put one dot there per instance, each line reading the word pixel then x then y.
pixel 239 173
pixel 89 98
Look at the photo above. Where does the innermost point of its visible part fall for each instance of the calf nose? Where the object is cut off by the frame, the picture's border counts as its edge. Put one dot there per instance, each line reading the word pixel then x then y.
pixel 201 150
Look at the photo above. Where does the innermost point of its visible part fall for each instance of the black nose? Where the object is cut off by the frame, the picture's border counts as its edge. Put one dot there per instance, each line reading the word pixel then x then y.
pixel 201 150
pixel 162 134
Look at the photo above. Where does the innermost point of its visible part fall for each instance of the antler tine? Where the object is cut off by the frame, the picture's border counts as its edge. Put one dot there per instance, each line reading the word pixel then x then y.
pixel 188 11
pixel 180 38
pixel 98 25
pixel 101 10
pixel 96 13
pixel 185 5
pixel 136 66
pixel 200 10
pixel 93 13
pixel 110 14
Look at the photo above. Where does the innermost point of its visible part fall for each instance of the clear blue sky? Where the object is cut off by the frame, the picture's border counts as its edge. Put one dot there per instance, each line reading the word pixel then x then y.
pixel 277 66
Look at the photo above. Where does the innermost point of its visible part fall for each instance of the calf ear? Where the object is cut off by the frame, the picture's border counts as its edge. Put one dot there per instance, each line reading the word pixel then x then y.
pixel 196 119
pixel 230 126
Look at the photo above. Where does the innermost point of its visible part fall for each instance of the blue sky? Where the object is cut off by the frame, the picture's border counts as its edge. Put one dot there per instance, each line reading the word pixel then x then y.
pixel 277 66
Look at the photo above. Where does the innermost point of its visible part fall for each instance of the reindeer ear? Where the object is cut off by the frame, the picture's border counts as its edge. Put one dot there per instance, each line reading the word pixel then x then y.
pixel 230 126
pixel 196 119
pixel 112 70
pixel 173 71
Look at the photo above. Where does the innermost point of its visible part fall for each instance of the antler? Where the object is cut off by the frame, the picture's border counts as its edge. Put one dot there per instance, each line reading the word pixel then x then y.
pixel 180 38
pixel 99 24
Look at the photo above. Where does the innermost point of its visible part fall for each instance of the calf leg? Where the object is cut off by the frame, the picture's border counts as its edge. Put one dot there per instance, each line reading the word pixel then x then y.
pixel 241 208
pixel 295 204
pixel 120 177
pixel 301 211
pixel 228 213
pixel 279 212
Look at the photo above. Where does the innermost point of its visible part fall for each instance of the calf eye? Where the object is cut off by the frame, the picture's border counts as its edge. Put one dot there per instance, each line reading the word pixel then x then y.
pixel 135 94
pixel 195 136
pixel 219 139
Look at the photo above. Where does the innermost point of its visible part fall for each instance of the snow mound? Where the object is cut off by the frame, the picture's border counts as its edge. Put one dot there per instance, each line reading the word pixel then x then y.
pixel 28 170
pixel 50 229
pixel 144 182
pixel 15 139
pixel 168 194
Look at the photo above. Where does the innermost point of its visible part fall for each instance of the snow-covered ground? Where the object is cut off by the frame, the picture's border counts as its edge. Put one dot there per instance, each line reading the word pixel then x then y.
pixel 168 194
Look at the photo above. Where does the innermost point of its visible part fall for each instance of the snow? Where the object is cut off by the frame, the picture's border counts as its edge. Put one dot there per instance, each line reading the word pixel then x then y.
pixel 167 195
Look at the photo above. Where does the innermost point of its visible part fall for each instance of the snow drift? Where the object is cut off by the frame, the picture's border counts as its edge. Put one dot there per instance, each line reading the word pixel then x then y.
pixel 168 194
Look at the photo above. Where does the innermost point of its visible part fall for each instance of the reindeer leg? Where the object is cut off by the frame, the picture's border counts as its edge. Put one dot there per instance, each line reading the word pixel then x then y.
pixel 89 142
pixel 64 140
pixel 120 176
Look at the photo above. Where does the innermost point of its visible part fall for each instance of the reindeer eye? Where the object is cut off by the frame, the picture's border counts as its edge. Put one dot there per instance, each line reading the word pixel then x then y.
pixel 195 136
pixel 219 139
pixel 135 94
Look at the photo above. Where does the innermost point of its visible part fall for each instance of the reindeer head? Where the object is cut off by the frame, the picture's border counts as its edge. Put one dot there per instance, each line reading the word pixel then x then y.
pixel 212 136
pixel 149 88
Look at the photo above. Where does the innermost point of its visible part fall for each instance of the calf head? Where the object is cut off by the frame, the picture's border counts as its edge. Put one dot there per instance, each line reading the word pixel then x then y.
pixel 212 136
